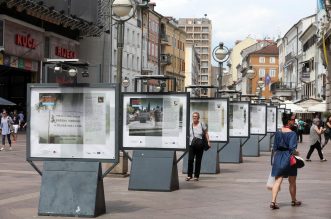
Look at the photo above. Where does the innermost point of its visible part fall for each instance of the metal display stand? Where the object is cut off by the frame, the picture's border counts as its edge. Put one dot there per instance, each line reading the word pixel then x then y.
pixel 72 189
pixel 265 143
pixel 153 170
pixel 230 152
pixel 209 163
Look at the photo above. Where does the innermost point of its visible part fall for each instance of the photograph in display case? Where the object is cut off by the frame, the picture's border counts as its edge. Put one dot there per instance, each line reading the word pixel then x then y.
pixel 271 119
pixel 155 120
pixel 72 123
pixel 258 120
pixel 239 114
pixel 280 111
pixel 213 113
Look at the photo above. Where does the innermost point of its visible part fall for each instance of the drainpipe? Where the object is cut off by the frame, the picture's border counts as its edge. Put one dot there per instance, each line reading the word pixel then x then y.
pixel 297 82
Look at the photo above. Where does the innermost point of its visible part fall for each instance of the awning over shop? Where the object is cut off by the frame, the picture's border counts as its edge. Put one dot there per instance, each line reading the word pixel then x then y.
pixel 294 107
pixel 321 107
pixel 4 102
pixel 307 103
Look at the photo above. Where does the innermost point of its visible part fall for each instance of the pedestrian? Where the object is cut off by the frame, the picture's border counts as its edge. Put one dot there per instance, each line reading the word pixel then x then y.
pixel 21 118
pixel 301 128
pixel 327 132
pixel 16 122
pixel 285 145
pixel 315 139
pixel 6 122
pixel 197 129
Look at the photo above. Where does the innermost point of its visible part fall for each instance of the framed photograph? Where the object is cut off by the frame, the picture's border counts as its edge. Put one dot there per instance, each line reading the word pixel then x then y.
pixel 280 111
pixel 258 119
pixel 272 116
pixel 72 123
pixel 239 119
pixel 155 121
pixel 213 113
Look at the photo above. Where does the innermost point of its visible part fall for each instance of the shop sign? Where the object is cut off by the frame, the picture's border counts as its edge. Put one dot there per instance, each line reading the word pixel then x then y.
pixel 21 63
pixel 65 53
pixel 6 60
pixel 14 61
pixel 25 41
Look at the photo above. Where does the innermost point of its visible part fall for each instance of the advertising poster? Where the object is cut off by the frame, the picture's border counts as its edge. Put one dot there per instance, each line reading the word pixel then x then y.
pixel 271 119
pixel 258 125
pixel 72 122
pixel 155 121
pixel 213 113
pixel 280 111
pixel 239 119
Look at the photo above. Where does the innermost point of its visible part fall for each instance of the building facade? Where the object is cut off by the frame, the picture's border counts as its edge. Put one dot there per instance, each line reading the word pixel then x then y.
pixel 192 65
pixel 172 57
pixel 199 33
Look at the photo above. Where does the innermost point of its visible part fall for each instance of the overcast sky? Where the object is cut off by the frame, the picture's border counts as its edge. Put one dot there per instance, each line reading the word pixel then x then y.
pixel 237 19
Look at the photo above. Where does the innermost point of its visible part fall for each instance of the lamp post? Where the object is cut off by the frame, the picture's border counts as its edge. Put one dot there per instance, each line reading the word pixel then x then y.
pixel 220 54
pixel 260 85
pixel 123 10
pixel 250 74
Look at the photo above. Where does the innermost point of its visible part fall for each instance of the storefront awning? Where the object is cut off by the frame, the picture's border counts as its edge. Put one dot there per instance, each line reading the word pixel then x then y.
pixel 4 102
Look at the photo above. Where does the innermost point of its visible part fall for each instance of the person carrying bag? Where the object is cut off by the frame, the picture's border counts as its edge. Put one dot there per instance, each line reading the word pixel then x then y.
pixel 197 131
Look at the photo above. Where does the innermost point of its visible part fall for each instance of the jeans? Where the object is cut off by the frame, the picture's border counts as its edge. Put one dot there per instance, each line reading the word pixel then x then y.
pixel 4 138
pixel 300 132
pixel 196 152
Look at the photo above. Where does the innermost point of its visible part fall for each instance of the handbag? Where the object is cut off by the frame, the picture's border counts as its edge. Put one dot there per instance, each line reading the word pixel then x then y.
pixel 296 161
pixel 201 143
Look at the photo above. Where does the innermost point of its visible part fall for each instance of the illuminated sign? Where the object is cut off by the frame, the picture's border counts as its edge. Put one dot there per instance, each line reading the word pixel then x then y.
pixel 65 53
pixel 25 41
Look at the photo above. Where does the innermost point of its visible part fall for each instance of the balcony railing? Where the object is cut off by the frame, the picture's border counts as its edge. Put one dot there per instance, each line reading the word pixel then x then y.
pixel 165 59
pixel 282 86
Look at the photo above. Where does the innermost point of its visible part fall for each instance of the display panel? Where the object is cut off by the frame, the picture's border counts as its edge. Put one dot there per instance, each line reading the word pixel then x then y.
pixel 72 123
pixel 155 121
pixel 258 120
pixel 213 113
pixel 239 117
pixel 271 119
pixel 280 111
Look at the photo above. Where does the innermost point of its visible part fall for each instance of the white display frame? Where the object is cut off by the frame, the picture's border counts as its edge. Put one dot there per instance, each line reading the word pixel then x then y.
pixel 151 137
pixel 221 105
pixel 239 131
pixel 258 119
pixel 272 118
pixel 279 117
pixel 57 130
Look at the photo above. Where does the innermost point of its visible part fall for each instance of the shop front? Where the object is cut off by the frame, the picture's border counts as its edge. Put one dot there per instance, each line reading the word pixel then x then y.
pixel 21 52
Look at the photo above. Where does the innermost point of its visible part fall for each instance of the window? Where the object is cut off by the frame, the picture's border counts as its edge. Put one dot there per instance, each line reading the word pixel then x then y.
pixel 262 60
pixel 272 60
pixel 204 78
pixel 261 72
pixel 138 66
pixel 272 73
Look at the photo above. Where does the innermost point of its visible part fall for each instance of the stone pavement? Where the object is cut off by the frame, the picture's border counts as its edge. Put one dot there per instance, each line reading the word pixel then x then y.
pixel 237 192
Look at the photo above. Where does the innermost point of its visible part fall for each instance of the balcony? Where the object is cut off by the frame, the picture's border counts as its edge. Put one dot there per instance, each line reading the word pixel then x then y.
pixel 165 59
pixel 288 57
pixel 164 39
pixel 285 89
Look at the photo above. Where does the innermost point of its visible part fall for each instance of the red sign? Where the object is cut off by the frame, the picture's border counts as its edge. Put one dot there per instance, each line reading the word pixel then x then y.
pixel 25 41
pixel 65 53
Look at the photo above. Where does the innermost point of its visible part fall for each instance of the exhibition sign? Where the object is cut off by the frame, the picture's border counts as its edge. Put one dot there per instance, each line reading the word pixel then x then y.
pixel 72 122
pixel 258 119
pixel 239 117
pixel 280 111
pixel 155 121
pixel 272 119
pixel 213 113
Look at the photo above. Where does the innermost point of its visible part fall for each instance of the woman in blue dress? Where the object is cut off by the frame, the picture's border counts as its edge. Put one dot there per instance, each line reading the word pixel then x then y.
pixel 285 144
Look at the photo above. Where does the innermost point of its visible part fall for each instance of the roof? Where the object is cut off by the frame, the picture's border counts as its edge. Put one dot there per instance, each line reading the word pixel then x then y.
pixel 271 49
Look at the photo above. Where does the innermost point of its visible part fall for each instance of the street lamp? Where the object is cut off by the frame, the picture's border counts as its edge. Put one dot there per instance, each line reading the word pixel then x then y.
pixel 123 10
pixel 250 74
pixel 260 85
pixel 220 54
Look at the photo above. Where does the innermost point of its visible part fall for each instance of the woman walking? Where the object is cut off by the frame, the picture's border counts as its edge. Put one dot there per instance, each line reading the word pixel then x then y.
pixel 284 146
pixel 315 140
pixel 6 121
pixel 197 129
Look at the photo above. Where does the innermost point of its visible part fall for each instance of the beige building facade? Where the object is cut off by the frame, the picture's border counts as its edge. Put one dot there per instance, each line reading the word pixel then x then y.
pixel 199 33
